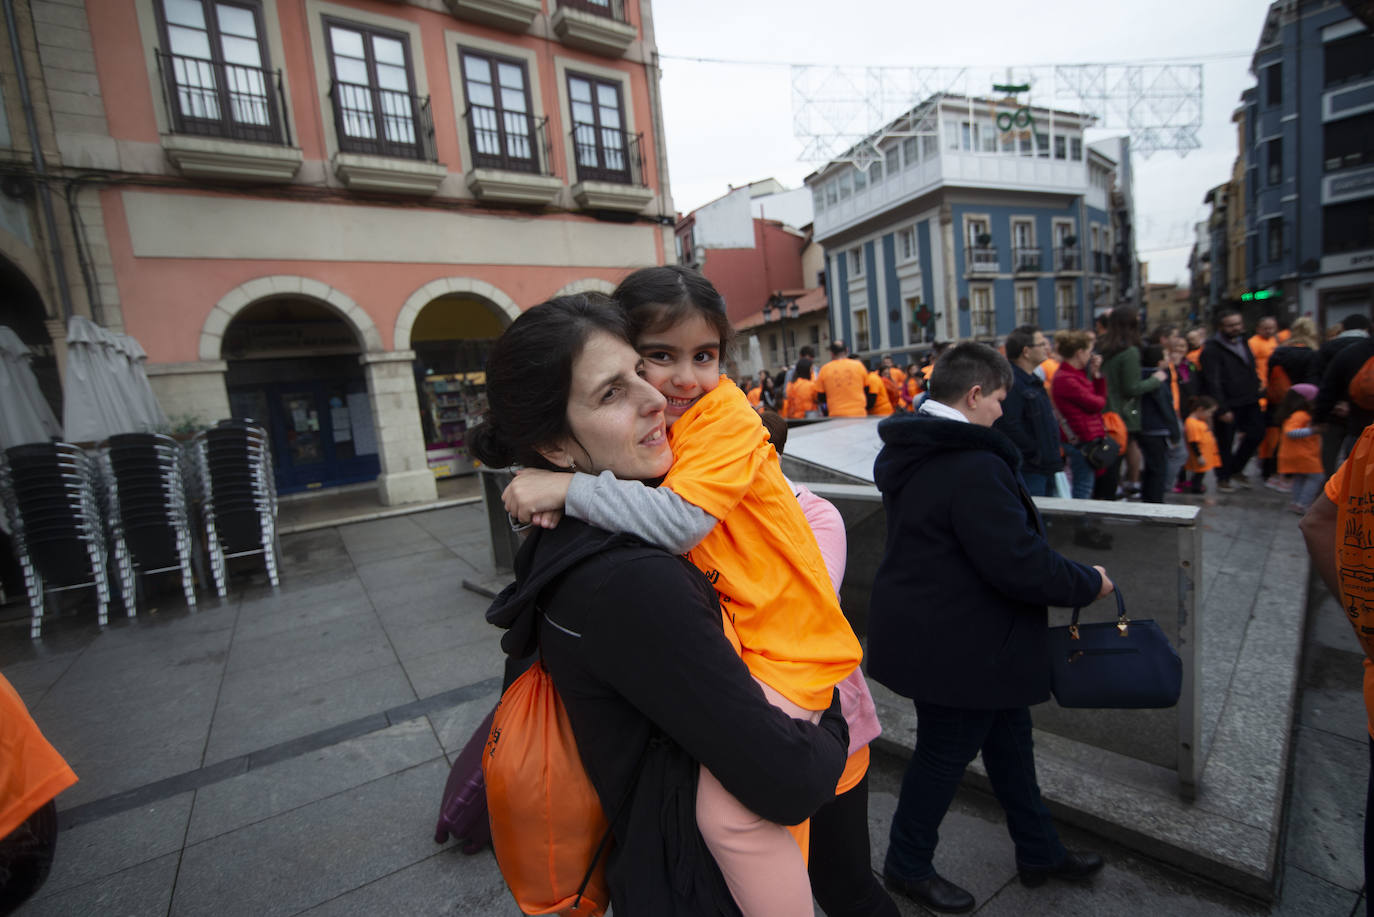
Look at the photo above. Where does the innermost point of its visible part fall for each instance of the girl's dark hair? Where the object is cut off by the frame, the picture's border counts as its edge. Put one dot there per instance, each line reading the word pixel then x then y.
pixel 657 298
pixel 529 377
pixel 1123 331
pixel 1204 402
pixel 803 368
pixel 1291 403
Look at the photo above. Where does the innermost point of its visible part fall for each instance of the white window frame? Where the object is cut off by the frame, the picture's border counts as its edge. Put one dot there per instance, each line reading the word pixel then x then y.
pixel 906 244
pixel 1027 309
pixel 856 262
pixel 861 329
pixel 982 310
pixel 1065 308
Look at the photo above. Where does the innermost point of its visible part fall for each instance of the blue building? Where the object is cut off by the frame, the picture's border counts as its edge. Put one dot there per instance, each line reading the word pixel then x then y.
pixel 967 222
pixel 1308 147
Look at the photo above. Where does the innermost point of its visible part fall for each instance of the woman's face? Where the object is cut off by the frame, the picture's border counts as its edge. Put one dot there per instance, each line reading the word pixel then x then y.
pixel 682 362
pixel 615 416
pixel 1080 358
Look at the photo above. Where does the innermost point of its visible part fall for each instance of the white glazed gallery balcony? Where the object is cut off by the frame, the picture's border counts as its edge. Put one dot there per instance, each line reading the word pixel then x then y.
pixel 994 171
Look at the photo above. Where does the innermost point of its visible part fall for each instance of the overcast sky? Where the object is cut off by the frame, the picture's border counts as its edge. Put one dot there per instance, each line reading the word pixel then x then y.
pixel 732 123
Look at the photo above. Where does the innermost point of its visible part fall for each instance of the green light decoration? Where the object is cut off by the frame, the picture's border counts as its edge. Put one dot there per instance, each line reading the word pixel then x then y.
pixel 1254 295
pixel 1011 88
pixel 1019 120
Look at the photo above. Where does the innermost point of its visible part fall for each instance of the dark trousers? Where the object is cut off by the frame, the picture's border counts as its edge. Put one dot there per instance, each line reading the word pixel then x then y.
pixel 947 739
pixel 839 864
pixel 1104 486
pixel 1247 421
pixel 1154 452
pixel 26 856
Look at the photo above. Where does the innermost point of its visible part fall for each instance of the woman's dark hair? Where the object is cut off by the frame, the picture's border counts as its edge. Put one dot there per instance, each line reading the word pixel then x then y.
pixel 529 377
pixel 1150 357
pixel 657 298
pixel 803 368
pixel 1123 331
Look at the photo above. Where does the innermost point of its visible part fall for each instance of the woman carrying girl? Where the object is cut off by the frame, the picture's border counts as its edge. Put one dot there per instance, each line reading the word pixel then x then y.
pixel 726 503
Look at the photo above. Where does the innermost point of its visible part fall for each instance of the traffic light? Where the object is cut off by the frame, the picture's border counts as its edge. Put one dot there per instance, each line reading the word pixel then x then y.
pixel 1256 295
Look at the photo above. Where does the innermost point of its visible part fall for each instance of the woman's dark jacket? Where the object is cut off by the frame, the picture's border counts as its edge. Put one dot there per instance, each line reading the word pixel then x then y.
pixel 967 626
pixel 1028 421
pixel 632 637
pixel 1126 385
pixel 1157 414
pixel 1298 363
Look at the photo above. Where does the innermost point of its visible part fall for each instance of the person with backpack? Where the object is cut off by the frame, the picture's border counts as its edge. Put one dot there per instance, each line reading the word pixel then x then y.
pixel 632 634
pixel 1228 377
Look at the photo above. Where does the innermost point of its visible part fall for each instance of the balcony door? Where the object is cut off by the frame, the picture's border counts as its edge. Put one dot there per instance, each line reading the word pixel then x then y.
pixel 215 67
pixel 599 138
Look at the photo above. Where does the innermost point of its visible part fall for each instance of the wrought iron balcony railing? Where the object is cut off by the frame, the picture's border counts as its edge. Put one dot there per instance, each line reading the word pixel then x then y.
pixel 507 140
pixel 214 99
pixel 382 122
pixel 607 154
pixel 1025 259
pixel 983 259
pixel 611 9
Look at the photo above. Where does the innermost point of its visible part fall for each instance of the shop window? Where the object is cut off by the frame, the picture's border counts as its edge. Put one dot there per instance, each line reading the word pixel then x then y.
pixel 501 128
pixel 376 110
pixel 215 71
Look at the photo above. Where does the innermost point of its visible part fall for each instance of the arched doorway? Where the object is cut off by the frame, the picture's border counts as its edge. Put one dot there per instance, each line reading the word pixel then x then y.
pixel 451 336
pixel 22 311
pixel 292 365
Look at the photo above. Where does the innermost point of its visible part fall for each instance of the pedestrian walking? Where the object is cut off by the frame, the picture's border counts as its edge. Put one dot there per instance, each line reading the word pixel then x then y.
pixel 1079 394
pixel 1229 378
pixel 842 384
pixel 1120 349
pixel 965 634
pixel 1203 455
pixel 1028 416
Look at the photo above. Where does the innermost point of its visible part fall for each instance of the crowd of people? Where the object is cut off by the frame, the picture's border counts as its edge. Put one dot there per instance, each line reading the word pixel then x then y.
pixel 1112 413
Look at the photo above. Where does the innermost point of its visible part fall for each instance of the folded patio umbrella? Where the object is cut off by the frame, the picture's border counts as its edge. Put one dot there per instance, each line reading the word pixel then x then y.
pixel 106 389
pixel 26 417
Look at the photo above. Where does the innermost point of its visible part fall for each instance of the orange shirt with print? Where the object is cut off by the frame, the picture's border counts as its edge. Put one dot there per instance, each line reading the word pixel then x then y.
pixel 882 404
pixel 1351 489
pixel 1198 431
pixel 31 770
pixel 843 383
pixel 1302 455
pixel 1263 348
pixel 801 398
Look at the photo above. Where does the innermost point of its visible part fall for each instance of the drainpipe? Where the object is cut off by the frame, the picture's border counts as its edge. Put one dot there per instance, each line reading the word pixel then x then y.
pixel 39 165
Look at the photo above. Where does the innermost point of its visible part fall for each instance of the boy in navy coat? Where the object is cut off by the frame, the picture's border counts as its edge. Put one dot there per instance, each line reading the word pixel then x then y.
pixel 964 633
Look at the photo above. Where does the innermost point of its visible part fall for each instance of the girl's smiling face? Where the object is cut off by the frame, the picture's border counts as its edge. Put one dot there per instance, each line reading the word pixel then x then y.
pixel 682 362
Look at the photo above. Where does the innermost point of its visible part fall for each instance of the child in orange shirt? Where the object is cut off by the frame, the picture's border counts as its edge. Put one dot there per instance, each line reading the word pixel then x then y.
pixel 1202 445
pixel 1300 450
pixel 726 504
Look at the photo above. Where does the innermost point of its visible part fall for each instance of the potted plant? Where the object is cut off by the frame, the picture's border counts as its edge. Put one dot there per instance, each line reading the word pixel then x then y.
pixel 983 239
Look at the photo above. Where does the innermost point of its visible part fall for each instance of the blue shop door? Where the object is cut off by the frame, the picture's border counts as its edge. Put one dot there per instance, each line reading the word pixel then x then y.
pixel 322 433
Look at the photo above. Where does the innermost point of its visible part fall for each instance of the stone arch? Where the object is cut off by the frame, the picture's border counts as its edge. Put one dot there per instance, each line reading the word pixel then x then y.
pixel 233 302
pixel 405 321
pixel 587 285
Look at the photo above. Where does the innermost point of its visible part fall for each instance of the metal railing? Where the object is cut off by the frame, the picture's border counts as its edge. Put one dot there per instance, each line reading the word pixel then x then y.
pixel 611 9
pixel 607 154
pixel 516 142
pixel 982 322
pixel 1025 259
pixel 983 259
pixel 861 340
pixel 382 122
pixel 1068 258
pixel 212 99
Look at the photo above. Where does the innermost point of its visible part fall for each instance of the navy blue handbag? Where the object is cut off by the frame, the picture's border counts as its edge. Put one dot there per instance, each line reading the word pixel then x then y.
pixel 1120 665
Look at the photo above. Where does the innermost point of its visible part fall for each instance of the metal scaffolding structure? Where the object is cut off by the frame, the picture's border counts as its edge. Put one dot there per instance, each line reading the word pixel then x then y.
pixel 845 113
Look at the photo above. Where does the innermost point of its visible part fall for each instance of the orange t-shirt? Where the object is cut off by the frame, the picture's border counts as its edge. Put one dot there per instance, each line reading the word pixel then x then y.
pixel 1283 335
pixel 896 375
pixel 763 558
pixel 842 382
pixel 755 395
pixel 1198 431
pixel 1262 348
pixel 1303 455
pixel 882 404
pixel 1194 357
pixel 1351 488
pixel 801 398
pixel 1049 367
pixel 31 770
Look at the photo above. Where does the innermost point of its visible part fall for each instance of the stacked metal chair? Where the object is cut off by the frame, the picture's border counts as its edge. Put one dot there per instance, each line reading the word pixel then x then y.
pixel 51 493
pixel 150 526
pixel 237 496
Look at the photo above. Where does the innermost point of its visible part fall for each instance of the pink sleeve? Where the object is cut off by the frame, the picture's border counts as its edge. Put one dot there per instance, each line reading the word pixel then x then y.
pixel 825 520
pixel 856 701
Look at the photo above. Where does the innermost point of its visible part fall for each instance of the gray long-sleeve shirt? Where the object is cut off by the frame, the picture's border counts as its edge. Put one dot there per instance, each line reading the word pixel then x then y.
pixel 655 514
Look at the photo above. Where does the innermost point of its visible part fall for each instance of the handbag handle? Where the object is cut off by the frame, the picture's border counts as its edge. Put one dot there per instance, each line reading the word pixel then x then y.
pixel 1122 621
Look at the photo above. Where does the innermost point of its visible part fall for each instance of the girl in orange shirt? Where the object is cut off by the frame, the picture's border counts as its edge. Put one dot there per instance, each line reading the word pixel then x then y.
pixel 1202 444
pixel 801 394
pixel 1300 450
pixel 726 504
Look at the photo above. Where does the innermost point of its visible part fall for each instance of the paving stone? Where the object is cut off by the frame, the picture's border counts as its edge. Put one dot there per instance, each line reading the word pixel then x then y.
pixel 251 726
pixel 255 625
pixel 435 673
pixel 33 679
pixel 1328 625
pixel 369 542
pixel 387 574
pixel 455 725
pixel 440 590
pixel 283 648
pixel 461 626
pixel 144 890
pixel 314 853
pixel 1303 894
pixel 268 791
pixel 1327 810
pixel 449 883
pixel 108 847
pixel 262 687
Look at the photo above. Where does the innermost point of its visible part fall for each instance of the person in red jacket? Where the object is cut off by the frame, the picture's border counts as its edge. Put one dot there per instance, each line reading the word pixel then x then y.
pixel 1079 393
